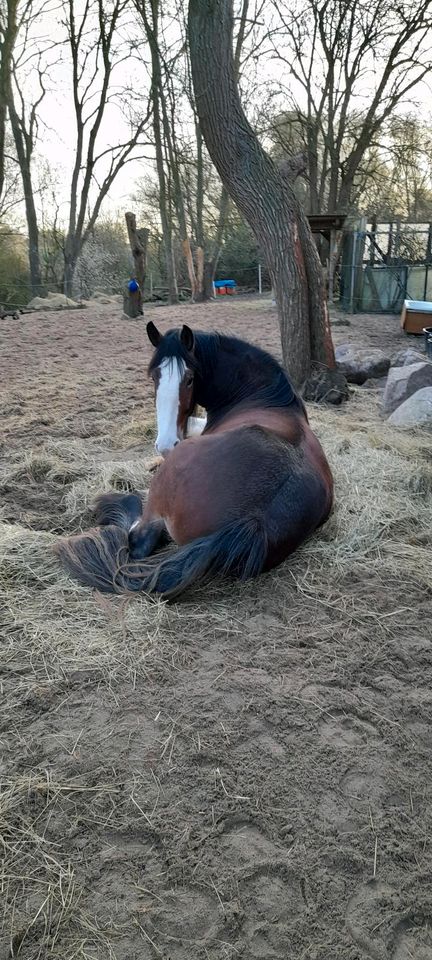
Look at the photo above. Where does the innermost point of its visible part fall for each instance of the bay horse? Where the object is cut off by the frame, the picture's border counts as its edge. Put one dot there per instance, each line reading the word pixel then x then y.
pixel 237 499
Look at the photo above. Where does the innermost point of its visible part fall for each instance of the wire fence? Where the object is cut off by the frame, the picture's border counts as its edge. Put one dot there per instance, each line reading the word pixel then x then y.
pixel 15 292
pixel 381 267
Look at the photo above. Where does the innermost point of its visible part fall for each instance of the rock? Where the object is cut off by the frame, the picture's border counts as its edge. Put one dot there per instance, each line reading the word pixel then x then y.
pixel 403 358
pixel 52 301
pixel 402 382
pixel 326 386
pixel 340 322
pixel 360 363
pixel 415 412
pixel 108 298
pixel 375 383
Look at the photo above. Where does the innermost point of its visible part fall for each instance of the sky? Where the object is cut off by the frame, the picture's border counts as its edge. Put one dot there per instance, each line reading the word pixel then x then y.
pixel 57 127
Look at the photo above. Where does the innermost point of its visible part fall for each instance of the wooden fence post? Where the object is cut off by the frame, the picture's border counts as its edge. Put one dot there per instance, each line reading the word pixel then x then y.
pixel 138 239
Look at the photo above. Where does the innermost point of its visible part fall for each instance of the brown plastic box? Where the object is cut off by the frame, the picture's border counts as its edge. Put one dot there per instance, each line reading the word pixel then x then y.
pixel 416 314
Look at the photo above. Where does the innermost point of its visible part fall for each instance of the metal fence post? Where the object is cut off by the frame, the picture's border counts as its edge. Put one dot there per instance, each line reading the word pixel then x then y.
pixel 353 267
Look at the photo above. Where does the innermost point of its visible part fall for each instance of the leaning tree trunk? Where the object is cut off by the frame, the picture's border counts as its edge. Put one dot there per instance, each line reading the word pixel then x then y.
pixel 262 194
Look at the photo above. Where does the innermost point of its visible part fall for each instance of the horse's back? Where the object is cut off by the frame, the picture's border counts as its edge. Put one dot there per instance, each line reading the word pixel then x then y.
pixel 239 472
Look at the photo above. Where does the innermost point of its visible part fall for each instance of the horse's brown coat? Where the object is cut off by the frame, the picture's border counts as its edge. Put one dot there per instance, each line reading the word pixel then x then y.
pixel 238 499
pixel 234 469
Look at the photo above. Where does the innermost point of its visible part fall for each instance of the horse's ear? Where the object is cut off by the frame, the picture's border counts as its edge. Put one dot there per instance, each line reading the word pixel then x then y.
pixel 153 334
pixel 187 338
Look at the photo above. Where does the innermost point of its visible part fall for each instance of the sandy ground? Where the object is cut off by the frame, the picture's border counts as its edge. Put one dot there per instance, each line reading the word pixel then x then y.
pixel 245 774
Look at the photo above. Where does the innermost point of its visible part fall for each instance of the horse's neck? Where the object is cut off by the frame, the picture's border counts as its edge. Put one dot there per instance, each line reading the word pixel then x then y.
pixel 230 383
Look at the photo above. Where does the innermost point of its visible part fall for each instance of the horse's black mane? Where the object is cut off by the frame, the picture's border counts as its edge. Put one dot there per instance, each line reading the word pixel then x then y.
pixel 240 372
pixel 172 348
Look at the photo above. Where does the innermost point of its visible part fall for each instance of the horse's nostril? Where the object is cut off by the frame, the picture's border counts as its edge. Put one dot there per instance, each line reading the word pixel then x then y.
pixel 176 442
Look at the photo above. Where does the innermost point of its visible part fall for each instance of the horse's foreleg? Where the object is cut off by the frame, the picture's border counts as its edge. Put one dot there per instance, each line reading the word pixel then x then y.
pixel 145 536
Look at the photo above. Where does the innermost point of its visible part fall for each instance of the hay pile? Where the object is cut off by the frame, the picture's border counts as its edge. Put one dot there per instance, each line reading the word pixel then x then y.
pixel 60 643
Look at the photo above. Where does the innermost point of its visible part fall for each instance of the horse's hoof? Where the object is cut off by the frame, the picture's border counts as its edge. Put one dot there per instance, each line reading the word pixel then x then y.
pixel 153 464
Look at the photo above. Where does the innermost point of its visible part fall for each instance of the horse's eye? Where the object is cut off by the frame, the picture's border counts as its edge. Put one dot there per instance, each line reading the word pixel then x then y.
pixel 189 381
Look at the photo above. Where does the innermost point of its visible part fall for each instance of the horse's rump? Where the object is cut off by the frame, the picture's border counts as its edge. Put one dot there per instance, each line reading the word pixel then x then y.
pixel 223 476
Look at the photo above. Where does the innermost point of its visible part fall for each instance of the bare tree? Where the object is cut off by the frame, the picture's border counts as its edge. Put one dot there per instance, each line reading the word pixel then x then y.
pixel 407 153
pixel 8 33
pixel 149 11
pixel 208 249
pixel 29 67
pixel 12 195
pixel 353 64
pixel 17 51
pixel 24 124
pixel 95 50
pixel 262 194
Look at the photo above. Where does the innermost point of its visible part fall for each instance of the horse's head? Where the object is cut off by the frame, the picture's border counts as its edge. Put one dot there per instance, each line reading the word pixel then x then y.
pixel 172 370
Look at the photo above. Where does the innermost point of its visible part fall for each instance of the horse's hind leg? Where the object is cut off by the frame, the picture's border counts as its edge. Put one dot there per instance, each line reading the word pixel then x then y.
pixel 145 537
pixel 125 510
pixel 301 505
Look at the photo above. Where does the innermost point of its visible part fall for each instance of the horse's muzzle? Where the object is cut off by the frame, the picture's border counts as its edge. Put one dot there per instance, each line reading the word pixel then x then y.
pixel 165 450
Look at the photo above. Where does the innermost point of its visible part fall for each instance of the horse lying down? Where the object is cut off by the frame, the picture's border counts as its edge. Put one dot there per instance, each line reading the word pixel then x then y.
pixel 238 497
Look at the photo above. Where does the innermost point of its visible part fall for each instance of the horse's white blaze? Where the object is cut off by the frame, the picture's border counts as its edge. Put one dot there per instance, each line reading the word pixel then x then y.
pixel 167 403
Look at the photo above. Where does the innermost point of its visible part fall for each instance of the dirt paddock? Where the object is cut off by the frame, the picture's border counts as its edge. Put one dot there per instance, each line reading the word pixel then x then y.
pixel 243 774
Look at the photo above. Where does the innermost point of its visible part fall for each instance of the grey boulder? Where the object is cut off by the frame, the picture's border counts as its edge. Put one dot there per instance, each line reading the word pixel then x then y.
pixel 402 382
pixel 361 363
pixel 403 358
pixel 415 412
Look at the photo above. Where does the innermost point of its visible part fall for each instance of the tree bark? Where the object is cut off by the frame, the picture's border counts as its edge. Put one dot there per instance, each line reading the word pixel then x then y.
pixel 265 198
pixel 70 262
pixel 138 240
pixel 24 149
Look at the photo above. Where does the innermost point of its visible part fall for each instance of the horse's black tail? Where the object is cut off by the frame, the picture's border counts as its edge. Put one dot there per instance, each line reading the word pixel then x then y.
pixel 100 559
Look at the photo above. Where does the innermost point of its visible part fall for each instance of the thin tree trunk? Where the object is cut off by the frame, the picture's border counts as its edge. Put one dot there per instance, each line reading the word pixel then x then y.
pixel 151 30
pixel 163 204
pixel 169 134
pixel 202 291
pixel 200 267
pixel 70 263
pixel 23 150
pixel 9 32
pixel 266 200
pixel 312 152
pixel 210 266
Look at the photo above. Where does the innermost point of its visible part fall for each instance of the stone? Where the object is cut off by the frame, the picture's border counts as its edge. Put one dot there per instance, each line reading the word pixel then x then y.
pixel 52 301
pixel 361 363
pixel 403 358
pixel 415 412
pixel 402 382
pixel 325 385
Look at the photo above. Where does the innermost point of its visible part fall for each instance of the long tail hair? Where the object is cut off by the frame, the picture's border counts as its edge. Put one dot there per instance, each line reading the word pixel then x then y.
pixel 100 558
